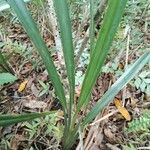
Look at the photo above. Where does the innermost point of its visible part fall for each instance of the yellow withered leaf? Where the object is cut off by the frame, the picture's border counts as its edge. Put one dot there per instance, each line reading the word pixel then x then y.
pixel 124 113
pixel 118 102
pixel 122 109
pixel 22 86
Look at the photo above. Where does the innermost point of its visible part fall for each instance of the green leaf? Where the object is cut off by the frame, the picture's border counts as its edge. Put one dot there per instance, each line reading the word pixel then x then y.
pixel 147 91
pixel 33 32
pixel 144 74
pixel 146 80
pixel 109 27
pixel 142 86
pixel 6 120
pixel 116 87
pixel 7 78
pixel 137 82
pixel 92 26
pixel 45 86
pixel 62 13
pixel 2 60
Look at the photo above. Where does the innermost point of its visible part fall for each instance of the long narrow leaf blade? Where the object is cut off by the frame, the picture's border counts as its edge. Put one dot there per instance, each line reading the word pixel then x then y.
pixel 62 13
pixel 92 4
pixel 116 87
pixel 111 21
pixel 6 120
pixel 33 32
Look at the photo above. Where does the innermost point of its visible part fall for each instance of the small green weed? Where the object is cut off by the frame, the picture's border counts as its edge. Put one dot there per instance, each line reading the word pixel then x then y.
pixel 44 89
pixel 47 126
pixel 142 124
pixel 142 82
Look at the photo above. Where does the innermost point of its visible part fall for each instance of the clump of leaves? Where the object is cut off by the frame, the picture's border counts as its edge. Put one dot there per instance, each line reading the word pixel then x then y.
pixel 113 68
pixel 47 125
pixel 142 82
pixel 142 124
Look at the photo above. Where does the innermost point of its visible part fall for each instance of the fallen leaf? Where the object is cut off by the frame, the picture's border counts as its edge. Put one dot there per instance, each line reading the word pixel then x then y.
pixel 122 109
pixel 22 86
pixel 34 104
pixel 34 90
pixel 108 133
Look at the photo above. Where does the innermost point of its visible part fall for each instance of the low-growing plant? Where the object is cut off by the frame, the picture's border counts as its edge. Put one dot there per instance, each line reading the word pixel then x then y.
pixel 140 127
pixel 6 75
pixel 100 49
pixel 113 68
pixel 45 88
pixel 142 82
pixel 141 124
pixel 47 125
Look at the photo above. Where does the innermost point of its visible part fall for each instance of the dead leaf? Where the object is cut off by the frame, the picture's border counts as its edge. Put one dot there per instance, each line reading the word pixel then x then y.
pixel 15 141
pixel 112 147
pixel 108 133
pixel 133 102
pixel 22 86
pixel 122 109
pixel 34 90
pixel 34 104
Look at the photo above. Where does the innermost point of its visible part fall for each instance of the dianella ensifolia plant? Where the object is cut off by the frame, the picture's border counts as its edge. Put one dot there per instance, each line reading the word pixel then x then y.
pixel 114 12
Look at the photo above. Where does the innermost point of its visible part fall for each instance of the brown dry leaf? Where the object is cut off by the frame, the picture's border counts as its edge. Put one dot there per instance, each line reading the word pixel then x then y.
pixel 22 86
pixel 34 104
pixel 15 141
pixel 111 136
pixel 121 66
pixel 108 133
pixel 94 147
pixel 34 90
pixel 14 144
pixel 44 76
pixel 112 147
pixel 60 113
pixel 122 109
pixel 133 102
